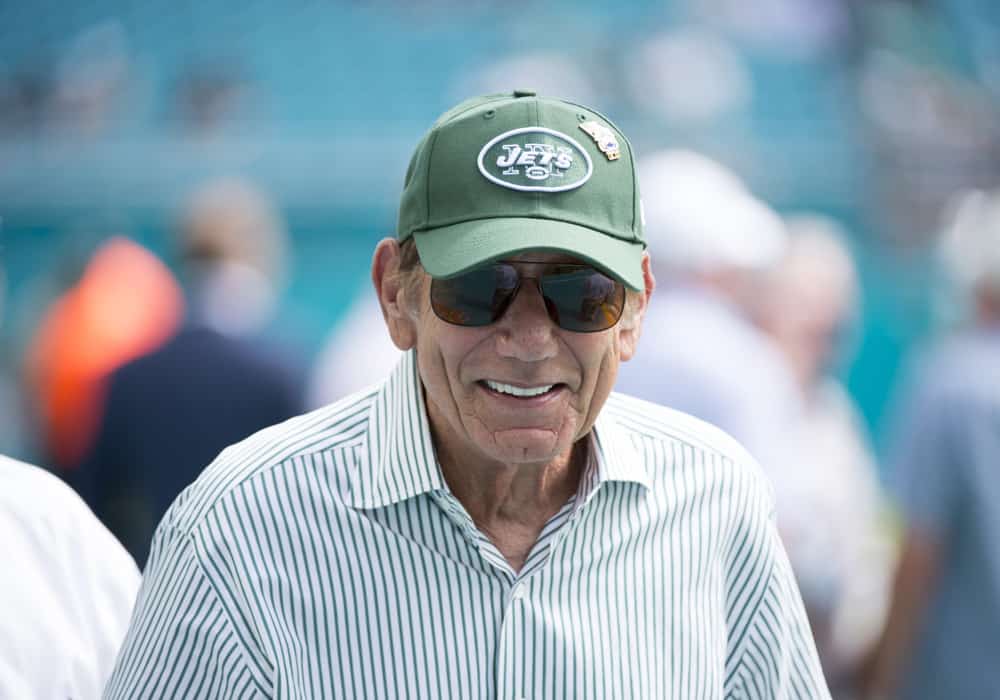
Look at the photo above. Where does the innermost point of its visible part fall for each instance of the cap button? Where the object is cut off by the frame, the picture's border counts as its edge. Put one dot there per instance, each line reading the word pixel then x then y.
pixel 524 93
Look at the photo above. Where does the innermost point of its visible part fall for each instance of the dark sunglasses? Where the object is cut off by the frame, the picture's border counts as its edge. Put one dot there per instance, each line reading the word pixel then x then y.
pixel 577 297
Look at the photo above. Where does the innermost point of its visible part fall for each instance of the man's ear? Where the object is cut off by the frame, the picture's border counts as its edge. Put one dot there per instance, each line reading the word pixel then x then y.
pixel 391 292
pixel 630 333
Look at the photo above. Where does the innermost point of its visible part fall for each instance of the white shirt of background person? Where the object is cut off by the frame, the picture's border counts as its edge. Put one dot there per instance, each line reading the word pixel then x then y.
pixel 67 591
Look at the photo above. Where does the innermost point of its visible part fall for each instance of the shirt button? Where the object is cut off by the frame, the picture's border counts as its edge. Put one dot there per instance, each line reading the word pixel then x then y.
pixel 518 593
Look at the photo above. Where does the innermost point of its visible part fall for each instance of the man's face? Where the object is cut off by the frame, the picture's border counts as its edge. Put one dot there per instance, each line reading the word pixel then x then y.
pixel 807 308
pixel 476 378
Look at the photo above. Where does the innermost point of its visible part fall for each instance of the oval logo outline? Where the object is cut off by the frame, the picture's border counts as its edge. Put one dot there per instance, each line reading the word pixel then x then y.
pixel 535 188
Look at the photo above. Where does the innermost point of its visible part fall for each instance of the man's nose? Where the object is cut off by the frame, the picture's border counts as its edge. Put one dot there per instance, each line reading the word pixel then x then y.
pixel 525 331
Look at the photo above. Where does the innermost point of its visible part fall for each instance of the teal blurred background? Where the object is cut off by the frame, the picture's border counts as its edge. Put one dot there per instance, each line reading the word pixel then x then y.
pixel 873 112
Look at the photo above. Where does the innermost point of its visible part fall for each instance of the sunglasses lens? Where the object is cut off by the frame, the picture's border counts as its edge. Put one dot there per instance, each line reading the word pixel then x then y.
pixel 475 298
pixel 582 299
pixel 578 298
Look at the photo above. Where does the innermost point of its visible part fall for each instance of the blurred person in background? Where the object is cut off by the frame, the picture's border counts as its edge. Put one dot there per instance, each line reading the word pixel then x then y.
pixel 835 523
pixel 215 382
pixel 13 420
pixel 126 303
pixel 942 636
pixel 710 240
pixel 67 589
pixel 356 354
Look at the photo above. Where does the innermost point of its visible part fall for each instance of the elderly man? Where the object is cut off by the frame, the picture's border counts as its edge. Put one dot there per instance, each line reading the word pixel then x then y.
pixel 491 522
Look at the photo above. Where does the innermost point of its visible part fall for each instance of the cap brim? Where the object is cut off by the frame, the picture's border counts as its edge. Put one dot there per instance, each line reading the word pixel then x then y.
pixel 451 250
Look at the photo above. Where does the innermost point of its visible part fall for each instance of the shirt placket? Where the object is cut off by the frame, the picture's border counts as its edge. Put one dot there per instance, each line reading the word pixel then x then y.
pixel 514 665
pixel 515 660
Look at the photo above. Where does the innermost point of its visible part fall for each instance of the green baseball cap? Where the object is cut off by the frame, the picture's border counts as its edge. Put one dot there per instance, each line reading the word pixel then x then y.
pixel 503 174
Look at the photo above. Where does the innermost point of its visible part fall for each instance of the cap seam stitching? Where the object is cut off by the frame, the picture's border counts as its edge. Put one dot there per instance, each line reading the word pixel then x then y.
pixel 631 155
pixel 636 198
pixel 427 176
pixel 537 204
pixel 500 97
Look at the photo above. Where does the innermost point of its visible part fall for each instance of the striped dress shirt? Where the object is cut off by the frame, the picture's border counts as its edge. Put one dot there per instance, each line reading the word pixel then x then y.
pixel 326 558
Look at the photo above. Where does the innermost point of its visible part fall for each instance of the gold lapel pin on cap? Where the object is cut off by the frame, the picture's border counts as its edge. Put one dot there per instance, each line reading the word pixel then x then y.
pixel 604 138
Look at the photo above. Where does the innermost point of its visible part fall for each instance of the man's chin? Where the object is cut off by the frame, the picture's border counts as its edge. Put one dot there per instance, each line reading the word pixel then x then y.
pixel 529 445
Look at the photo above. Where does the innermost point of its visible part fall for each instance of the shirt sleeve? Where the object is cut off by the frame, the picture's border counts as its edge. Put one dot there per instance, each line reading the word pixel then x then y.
pixel 182 641
pixel 779 658
pixel 772 652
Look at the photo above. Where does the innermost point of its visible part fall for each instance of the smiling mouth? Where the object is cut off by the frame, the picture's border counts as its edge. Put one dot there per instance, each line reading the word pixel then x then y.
pixel 521 392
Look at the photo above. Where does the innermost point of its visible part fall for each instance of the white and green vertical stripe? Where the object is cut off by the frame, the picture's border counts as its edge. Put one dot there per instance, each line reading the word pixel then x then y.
pixel 326 558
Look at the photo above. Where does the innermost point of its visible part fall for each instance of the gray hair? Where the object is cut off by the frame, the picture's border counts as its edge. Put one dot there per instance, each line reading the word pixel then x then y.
pixel 970 244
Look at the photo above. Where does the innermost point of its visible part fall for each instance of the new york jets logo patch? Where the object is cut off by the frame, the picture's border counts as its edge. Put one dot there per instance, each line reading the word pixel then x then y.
pixel 535 159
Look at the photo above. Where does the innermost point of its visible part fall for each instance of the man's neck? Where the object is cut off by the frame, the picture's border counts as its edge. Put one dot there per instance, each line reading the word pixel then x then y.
pixel 510 503
pixel 489 491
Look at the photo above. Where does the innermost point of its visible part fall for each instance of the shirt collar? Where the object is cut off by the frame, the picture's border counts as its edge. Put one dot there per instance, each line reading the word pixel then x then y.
pixel 398 460
pixel 617 456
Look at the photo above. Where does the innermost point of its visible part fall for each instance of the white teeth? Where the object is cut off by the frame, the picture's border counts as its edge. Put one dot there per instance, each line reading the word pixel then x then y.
pixel 517 390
